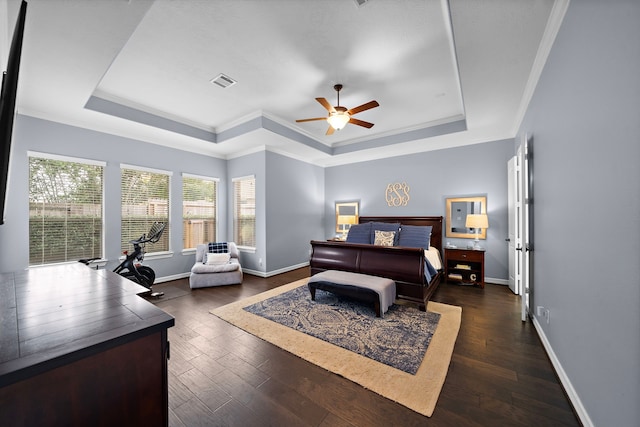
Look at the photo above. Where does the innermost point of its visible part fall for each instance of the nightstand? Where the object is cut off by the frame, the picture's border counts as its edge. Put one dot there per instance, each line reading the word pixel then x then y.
pixel 464 266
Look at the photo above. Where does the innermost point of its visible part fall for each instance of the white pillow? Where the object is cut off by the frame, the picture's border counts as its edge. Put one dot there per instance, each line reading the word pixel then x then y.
pixel 213 259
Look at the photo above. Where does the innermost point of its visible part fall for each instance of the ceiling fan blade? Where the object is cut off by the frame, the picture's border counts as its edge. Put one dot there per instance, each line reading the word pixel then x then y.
pixel 360 123
pixel 326 105
pixel 363 107
pixel 330 130
pixel 311 120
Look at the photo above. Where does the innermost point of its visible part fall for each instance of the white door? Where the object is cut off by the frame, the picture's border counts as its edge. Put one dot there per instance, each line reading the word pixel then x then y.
pixel 514 203
pixel 524 160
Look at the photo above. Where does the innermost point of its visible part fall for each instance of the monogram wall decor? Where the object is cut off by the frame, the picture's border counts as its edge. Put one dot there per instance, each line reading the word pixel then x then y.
pixel 397 194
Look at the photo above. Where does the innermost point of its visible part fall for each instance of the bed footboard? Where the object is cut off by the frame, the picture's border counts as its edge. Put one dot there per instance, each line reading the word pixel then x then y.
pixel 403 265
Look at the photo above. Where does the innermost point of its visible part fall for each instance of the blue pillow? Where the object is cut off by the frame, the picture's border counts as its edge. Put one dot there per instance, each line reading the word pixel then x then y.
pixel 415 236
pixel 360 233
pixel 385 226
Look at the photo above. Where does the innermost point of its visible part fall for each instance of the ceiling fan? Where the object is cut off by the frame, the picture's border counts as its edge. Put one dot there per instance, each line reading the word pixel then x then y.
pixel 339 116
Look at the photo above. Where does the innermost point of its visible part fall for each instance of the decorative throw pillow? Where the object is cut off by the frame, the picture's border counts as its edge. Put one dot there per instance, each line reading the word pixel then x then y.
pixel 218 248
pixel 360 233
pixel 216 259
pixel 384 238
pixel 385 226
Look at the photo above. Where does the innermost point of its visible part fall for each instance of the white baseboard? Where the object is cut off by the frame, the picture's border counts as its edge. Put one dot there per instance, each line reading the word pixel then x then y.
pixel 564 379
pixel 244 270
pixel 255 272
pixel 274 272
pixel 172 277
pixel 496 281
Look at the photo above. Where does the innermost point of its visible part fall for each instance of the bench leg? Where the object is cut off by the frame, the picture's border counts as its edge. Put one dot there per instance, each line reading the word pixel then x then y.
pixel 376 307
pixel 313 293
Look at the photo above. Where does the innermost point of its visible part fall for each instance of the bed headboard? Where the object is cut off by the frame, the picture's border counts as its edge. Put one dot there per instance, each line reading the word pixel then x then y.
pixel 433 221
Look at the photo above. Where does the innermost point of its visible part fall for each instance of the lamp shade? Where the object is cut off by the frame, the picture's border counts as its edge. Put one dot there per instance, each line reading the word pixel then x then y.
pixel 347 219
pixel 339 119
pixel 477 221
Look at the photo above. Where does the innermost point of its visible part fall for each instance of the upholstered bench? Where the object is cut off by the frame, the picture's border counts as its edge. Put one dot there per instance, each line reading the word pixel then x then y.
pixel 362 287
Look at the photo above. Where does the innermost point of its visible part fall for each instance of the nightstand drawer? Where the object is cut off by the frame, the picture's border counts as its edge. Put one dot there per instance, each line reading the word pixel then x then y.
pixel 470 255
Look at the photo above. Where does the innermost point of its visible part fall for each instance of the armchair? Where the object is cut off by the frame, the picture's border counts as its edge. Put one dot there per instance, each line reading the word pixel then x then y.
pixel 217 273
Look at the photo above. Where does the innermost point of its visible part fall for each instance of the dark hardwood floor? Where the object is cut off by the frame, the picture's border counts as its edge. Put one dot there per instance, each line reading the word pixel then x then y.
pixel 220 375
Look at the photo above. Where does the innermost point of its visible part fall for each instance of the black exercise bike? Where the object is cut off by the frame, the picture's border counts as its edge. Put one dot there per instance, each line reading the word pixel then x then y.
pixel 131 267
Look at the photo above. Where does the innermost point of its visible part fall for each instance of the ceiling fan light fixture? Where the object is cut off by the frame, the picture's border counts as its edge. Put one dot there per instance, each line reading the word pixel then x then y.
pixel 339 116
pixel 339 119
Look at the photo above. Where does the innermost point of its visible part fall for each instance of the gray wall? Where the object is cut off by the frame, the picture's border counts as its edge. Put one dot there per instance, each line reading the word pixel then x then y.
pixel 585 122
pixel 33 134
pixel 294 211
pixel 433 176
pixel 289 197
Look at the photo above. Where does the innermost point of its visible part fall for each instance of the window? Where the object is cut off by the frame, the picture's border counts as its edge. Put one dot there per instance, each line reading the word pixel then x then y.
pixel 198 210
pixel 145 200
pixel 244 211
pixel 65 209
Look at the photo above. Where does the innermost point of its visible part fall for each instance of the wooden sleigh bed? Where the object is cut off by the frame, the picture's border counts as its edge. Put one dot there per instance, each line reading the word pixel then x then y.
pixel 404 265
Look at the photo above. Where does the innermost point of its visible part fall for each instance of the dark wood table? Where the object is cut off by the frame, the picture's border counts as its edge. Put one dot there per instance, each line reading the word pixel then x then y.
pixel 80 347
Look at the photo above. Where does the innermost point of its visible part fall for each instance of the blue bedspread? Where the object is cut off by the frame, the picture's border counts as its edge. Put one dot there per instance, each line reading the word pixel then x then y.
pixel 429 271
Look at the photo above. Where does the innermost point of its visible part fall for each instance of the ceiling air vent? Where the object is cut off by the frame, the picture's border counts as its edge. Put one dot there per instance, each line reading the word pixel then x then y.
pixel 223 81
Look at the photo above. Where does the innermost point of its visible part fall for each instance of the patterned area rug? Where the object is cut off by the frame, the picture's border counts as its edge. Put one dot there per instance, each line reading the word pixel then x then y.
pixel 398 339
pixel 418 392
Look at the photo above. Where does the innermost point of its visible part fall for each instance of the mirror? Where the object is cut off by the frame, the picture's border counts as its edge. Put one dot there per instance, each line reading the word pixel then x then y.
pixel 457 210
pixel 346 216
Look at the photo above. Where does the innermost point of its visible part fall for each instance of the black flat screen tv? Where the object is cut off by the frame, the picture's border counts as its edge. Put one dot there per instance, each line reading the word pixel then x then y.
pixel 8 103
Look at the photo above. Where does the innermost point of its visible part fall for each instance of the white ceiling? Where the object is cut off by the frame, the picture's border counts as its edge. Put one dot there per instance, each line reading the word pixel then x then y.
pixel 446 73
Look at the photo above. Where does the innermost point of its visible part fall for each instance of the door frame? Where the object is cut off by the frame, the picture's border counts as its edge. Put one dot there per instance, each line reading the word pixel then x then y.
pixel 514 207
pixel 524 155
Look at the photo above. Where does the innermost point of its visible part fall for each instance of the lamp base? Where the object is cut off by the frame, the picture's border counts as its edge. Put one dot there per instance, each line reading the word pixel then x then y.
pixel 476 246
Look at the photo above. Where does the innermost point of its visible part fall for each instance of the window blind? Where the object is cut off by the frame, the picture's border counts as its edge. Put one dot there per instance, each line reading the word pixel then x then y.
pixel 244 211
pixel 144 200
pixel 65 209
pixel 199 210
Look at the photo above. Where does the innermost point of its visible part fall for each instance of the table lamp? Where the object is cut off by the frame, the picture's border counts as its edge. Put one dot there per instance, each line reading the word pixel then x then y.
pixel 477 222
